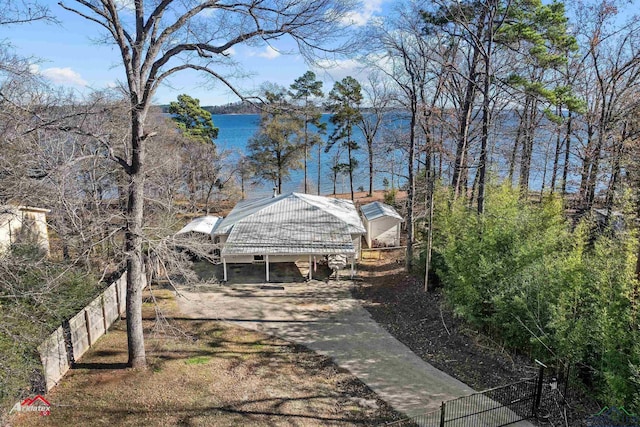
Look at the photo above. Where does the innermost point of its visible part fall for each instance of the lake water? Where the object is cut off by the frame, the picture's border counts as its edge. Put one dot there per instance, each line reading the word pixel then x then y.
pixel 237 129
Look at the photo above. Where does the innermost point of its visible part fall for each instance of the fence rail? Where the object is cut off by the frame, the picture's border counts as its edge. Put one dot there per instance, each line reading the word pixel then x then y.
pixel 496 407
pixel 60 350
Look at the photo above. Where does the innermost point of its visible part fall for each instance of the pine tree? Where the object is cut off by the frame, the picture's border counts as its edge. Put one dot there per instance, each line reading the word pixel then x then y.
pixel 304 89
pixel 344 102
pixel 274 151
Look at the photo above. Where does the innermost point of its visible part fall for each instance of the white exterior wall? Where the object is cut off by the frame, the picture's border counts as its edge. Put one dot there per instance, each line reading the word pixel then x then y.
pixel 11 227
pixel 8 230
pixel 384 229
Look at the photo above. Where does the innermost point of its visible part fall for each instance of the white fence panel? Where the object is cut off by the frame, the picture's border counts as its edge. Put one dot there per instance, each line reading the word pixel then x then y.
pixel 79 335
pixel 111 304
pixel 84 330
pixel 95 318
pixel 54 357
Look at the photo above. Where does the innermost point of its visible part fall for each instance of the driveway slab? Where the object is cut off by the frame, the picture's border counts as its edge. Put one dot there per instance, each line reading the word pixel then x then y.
pixel 325 318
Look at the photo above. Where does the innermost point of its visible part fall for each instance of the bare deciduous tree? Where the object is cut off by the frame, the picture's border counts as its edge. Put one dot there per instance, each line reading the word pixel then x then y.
pixel 158 39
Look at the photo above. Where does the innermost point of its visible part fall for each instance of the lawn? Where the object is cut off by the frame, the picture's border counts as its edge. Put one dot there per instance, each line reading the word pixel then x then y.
pixel 204 373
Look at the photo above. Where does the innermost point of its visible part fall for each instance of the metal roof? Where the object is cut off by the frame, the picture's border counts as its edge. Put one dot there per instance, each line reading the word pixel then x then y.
pixel 376 210
pixel 343 210
pixel 203 224
pixel 291 224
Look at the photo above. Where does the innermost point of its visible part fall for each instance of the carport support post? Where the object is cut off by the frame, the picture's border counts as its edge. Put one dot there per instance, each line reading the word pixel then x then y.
pixel 310 268
pixel 353 268
pixel 224 269
pixel 266 258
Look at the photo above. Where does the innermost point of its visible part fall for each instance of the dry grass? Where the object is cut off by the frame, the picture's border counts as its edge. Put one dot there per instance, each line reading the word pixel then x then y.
pixel 204 373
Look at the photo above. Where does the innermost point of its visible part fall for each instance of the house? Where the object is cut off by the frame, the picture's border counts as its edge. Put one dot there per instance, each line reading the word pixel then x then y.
pixel 23 224
pixel 288 228
pixel 382 224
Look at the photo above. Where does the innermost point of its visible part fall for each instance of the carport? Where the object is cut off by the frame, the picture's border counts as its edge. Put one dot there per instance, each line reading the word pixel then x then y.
pixel 289 228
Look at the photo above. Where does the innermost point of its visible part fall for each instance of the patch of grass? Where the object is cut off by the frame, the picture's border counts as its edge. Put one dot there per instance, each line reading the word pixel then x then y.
pixel 198 360
pixel 204 373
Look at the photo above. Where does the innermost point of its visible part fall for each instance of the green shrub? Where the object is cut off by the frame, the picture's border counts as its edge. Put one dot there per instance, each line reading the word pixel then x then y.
pixel 520 273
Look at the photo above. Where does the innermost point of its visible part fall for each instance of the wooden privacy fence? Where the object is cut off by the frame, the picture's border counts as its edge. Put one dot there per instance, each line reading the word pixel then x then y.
pixel 73 338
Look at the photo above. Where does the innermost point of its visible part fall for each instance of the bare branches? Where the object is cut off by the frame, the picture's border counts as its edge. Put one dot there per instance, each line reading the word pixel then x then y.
pixel 14 12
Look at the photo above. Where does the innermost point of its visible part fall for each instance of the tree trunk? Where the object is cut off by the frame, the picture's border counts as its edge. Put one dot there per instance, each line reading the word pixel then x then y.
pixel 615 172
pixel 460 170
pixel 430 189
pixel 482 167
pixel 587 164
pixel 411 187
pixel 567 147
pixel 527 146
pixel 556 156
pixel 319 164
pixel 593 171
pixel 306 153
pixel 370 147
pixel 350 162
pixel 514 152
pixel 135 270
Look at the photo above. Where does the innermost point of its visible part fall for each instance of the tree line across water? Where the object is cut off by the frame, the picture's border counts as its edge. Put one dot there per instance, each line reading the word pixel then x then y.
pixel 120 178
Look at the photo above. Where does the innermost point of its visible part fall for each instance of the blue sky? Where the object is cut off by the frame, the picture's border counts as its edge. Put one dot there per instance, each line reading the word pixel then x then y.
pixel 69 55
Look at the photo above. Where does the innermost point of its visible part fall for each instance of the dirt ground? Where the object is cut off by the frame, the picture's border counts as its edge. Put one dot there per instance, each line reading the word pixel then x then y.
pixel 423 323
pixel 207 373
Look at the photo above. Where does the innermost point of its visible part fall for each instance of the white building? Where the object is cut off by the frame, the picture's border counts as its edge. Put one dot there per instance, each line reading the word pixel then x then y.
pixel 23 224
pixel 382 223
pixel 288 228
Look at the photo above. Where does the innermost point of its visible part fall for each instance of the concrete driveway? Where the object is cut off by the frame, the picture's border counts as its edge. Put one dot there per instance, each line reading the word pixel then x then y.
pixel 325 318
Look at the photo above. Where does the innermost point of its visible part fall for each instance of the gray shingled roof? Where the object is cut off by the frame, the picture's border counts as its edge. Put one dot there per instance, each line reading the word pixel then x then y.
pixel 376 210
pixel 291 224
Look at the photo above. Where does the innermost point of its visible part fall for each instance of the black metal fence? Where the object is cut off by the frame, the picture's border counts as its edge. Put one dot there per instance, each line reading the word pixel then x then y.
pixel 496 407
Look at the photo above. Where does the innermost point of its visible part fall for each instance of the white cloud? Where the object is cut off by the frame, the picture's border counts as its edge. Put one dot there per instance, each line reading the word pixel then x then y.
pixel 339 69
pixel 34 68
pixel 125 4
pixel 231 51
pixel 269 53
pixel 64 76
pixel 361 17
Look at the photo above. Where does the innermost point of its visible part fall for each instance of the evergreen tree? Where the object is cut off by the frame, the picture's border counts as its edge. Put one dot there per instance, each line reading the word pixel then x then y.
pixel 274 151
pixel 194 121
pixel 304 89
pixel 344 103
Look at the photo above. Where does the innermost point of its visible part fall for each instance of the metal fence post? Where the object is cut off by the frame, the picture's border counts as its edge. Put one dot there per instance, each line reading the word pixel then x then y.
pixel 442 407
pixel 536 404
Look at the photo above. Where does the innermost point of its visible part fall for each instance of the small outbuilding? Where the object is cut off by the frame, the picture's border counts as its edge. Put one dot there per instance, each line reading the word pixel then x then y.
pixel 23 224
pixel 382 223
pixel 289 228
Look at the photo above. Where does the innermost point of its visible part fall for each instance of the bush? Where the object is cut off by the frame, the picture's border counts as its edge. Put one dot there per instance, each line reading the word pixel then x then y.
pixel 520 273
pixel 390 197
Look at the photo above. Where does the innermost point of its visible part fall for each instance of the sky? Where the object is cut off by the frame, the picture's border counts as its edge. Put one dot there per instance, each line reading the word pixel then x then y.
pixel 69 55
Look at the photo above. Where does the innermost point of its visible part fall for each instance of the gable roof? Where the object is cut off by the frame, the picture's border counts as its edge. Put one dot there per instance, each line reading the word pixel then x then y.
pixel 376 210
pixel 291 224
